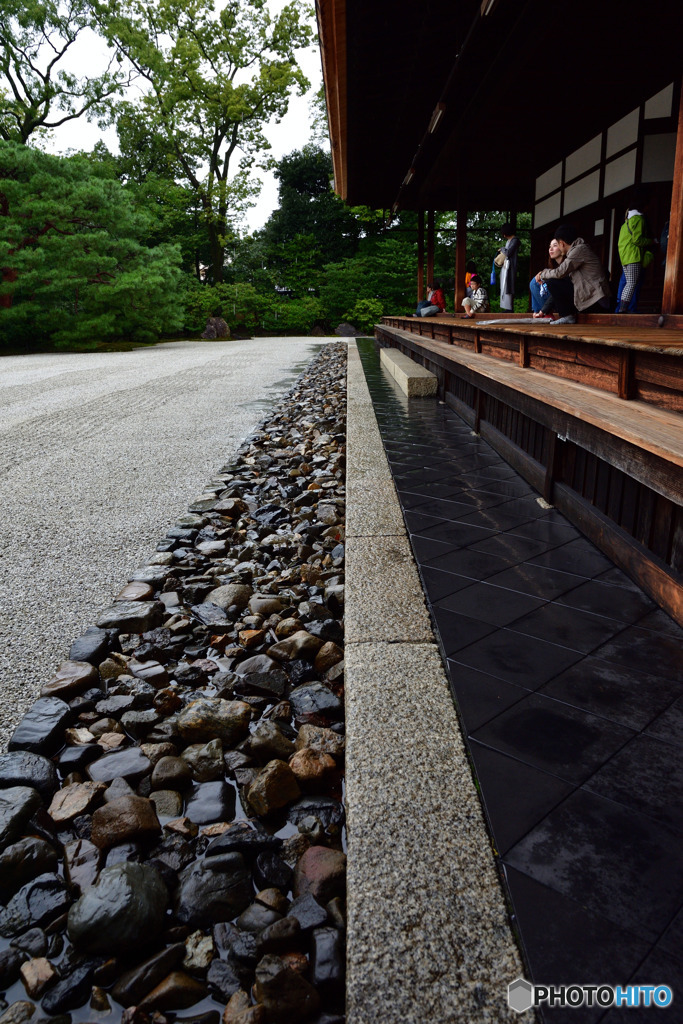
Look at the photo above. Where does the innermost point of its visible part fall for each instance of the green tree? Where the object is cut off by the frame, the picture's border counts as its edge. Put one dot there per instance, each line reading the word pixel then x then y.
pixel 385 274
pixel 75 269
pixel 214 78
pixel 37 91
pixel 308 207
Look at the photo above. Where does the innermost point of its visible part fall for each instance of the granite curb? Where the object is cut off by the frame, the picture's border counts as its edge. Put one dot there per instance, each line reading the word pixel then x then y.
pixel 429 937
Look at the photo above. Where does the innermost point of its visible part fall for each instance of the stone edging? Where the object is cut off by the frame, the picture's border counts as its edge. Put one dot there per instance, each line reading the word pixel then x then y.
pixel 428 931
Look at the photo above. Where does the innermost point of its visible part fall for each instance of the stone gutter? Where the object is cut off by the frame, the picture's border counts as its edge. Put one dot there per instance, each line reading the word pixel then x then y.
pixel 429 937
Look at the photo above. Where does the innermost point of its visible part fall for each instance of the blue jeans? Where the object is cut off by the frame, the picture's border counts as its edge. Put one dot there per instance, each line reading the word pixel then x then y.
pixel 537 297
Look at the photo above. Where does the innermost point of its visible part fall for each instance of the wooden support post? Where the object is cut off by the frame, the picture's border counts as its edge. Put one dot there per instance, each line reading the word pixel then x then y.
pixel 672 299
pixel 524 351
pixel 460 258
pixel 430 247
pixel 550 469
pixel 420 255
pixel 625 376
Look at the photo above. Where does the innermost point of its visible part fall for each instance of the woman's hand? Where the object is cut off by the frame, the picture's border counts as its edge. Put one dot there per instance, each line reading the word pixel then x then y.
pixel 538 279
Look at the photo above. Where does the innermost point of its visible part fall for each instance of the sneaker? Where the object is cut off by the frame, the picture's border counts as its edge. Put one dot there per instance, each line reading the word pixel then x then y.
pixel 571 319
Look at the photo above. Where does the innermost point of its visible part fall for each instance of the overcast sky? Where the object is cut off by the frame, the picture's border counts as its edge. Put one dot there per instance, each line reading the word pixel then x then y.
pixel 292 133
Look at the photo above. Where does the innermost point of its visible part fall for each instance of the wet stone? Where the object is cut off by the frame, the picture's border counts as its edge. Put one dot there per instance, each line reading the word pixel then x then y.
pixel 130 764
pixel 10 964
pixel 122 912
pixel 33 943
pixel 18 1013
pixel 330 812
pixel 136 592
pixel 41 729
pixel 256 917
pixel 155 574
pixel 270 870
pixel 273 788
pixel 176 992
pixel 322 873
pixel 321 739
pixel 211 615
pixel 69 993
pixel 36 975
pixel 211 801
pixel 20 768
pixel 67 803
pixel 316 699
pixel 36 903
pixel 204 761
pixel 327 962
pixel 223 980
pixel 171 772
pixel 17 804
pixel 281 936
pixel 301 644
pixel 167 802
pixel 71 678
pixel 286 996
pixel 139 723
pixel 199 952
pixel 81 863
pixel 243 837
pixel 131 988
pixel 205 896
pixel 212 717
pixel 24 860
pixel 308 912
pixel 268 742
pixel 93 646
pixel 115 705
pixel 128 818
pixel 132 616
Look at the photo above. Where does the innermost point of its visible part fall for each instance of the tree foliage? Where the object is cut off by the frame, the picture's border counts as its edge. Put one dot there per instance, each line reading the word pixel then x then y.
pixel 38 92
pixel 213 79
pixel 75 269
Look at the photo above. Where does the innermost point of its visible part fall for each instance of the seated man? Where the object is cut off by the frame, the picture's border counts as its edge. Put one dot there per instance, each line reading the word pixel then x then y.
pixel 478 301
pixel 434 303
pixel 580 265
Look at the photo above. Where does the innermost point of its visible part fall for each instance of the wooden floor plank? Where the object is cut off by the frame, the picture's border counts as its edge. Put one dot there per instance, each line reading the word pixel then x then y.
pixel 655 430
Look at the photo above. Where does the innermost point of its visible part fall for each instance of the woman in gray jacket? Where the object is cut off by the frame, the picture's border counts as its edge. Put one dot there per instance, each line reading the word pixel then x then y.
pixel 584 269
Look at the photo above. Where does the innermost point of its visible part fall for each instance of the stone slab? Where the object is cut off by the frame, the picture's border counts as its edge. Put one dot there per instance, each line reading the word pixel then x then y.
pixel 429 938
pixel 414 380
pixel 384 598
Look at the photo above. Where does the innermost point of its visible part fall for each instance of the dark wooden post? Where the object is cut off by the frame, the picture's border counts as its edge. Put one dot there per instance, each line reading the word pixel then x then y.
pixel 430 247
pixel 460 258
pixel 420 255
pixel 672 299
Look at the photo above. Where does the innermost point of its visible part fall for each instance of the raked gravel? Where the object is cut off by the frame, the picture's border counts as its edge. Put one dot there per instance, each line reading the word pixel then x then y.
pixel 99 454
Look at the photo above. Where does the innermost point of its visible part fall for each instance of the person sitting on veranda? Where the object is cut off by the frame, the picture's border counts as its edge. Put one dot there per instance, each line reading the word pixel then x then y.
pixel 591 291
pixel 478 301
pixel 558 294
pixel 434 303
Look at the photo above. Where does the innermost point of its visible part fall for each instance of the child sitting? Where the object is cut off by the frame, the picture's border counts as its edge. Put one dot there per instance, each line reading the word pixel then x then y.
pixel 478 301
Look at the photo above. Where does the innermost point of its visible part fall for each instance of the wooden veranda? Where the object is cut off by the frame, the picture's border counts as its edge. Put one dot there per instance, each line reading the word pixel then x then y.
pixel 589 413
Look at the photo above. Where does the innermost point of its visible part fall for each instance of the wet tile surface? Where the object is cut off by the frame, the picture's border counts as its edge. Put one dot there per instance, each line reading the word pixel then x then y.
pixel 569 685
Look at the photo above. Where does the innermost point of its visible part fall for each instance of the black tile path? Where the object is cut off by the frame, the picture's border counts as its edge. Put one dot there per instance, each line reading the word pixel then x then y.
pixel 569 685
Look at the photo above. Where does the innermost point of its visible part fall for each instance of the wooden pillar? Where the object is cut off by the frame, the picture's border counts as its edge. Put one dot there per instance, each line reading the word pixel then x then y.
pixel 460 258
pixel 672 299
pixel 430 247
pixel 420 255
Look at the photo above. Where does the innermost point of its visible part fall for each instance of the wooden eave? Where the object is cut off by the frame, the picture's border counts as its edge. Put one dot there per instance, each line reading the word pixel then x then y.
pixel 521 87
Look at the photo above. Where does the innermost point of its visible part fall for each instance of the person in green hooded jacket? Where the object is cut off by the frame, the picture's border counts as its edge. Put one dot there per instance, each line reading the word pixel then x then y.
pixel 635 254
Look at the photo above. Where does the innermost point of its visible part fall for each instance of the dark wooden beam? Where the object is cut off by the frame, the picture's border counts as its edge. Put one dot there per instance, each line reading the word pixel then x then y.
pixel 672 299
pixel 420 255
pixel 430 247
pixel 460 258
